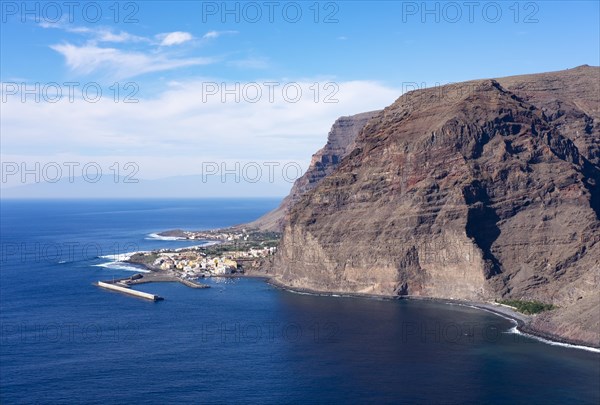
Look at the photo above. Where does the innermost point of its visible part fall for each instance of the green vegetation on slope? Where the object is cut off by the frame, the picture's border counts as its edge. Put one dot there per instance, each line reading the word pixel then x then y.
pixel 527 307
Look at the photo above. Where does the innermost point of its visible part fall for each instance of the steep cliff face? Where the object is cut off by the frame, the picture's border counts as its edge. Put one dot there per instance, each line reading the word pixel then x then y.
pixel 570 100
pixel 478 190
pixel 340 142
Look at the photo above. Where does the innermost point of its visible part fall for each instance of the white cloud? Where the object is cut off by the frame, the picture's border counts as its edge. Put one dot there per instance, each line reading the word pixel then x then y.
pixel 114 63
pixel 102 34
pixel 122 36
pixel 174 38
pixel 61 24
pixel 119 64
pixel 178 129
pixel 217 34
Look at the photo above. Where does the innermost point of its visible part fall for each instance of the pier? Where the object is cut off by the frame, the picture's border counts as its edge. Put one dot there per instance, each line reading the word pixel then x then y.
pixel 192 284
pixel 129 291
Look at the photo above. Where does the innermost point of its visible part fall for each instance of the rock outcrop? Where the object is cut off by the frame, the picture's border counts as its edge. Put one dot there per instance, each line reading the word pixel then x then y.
pixel 479 190
pixel 340 142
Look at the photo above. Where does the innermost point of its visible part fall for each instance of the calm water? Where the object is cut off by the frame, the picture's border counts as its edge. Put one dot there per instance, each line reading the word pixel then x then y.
pixel 242 341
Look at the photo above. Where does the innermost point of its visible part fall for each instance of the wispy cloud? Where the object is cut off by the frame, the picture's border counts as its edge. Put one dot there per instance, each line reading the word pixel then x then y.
pixel 120 64
pixel 100 34
pixel 115 63
pixel 122 36
pixel 174 38
pixel 217 34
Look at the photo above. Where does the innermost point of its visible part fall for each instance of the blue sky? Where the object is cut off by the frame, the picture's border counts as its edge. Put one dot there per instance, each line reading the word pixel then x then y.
pixel 370 51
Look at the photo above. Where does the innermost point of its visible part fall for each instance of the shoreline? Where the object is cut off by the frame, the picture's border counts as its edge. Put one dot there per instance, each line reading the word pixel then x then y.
pixel 521 321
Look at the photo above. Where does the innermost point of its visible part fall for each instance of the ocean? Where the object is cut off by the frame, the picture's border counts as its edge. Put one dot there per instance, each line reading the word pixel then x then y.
pixel 64 340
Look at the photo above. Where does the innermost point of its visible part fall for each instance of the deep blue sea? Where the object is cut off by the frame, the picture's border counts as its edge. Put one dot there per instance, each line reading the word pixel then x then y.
pixel 64 340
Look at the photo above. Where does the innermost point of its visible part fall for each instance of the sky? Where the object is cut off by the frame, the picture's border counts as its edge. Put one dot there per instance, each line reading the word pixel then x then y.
pixel 178 88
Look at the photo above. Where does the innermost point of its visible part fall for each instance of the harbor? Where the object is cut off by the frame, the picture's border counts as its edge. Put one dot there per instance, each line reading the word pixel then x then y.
pixel 129 291
pixel 228 254
pixel 124 285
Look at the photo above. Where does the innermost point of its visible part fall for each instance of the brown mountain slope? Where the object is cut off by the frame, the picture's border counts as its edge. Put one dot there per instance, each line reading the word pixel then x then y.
pixel 477 190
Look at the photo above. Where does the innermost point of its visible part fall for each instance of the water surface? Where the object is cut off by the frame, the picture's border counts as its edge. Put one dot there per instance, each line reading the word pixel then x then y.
pixel 66 340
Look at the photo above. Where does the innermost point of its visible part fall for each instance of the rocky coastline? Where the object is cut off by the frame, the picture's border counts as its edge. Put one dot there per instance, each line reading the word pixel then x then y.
pixel 522 322
pixel 467 193
pixel 478 191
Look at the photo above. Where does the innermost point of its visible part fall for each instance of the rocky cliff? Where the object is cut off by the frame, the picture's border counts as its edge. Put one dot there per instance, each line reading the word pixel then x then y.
pixel 340 142
pixel 479 190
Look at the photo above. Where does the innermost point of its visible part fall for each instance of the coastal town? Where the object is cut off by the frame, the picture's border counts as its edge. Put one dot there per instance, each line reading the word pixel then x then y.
pixel 226 252
pixel 231 252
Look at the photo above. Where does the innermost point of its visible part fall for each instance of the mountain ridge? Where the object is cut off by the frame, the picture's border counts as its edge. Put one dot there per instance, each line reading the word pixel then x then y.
pixel 486 194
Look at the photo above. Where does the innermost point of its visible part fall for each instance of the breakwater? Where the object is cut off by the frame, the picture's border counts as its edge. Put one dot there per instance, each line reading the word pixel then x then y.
pixel 129 291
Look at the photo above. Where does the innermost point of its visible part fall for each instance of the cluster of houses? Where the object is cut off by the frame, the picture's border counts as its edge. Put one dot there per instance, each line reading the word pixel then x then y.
pixel 193 264
pixel 253 253
pixel 227 236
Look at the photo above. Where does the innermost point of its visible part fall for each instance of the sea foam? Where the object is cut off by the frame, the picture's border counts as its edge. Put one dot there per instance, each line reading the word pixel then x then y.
pixel 116 265
pixel 155 236
pixel 551 342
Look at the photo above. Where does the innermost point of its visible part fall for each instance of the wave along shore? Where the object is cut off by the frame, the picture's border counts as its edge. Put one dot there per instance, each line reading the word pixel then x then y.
pixel 521 321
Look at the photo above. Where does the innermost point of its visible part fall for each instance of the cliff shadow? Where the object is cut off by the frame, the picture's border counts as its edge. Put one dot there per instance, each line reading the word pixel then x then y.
pixel 482 225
